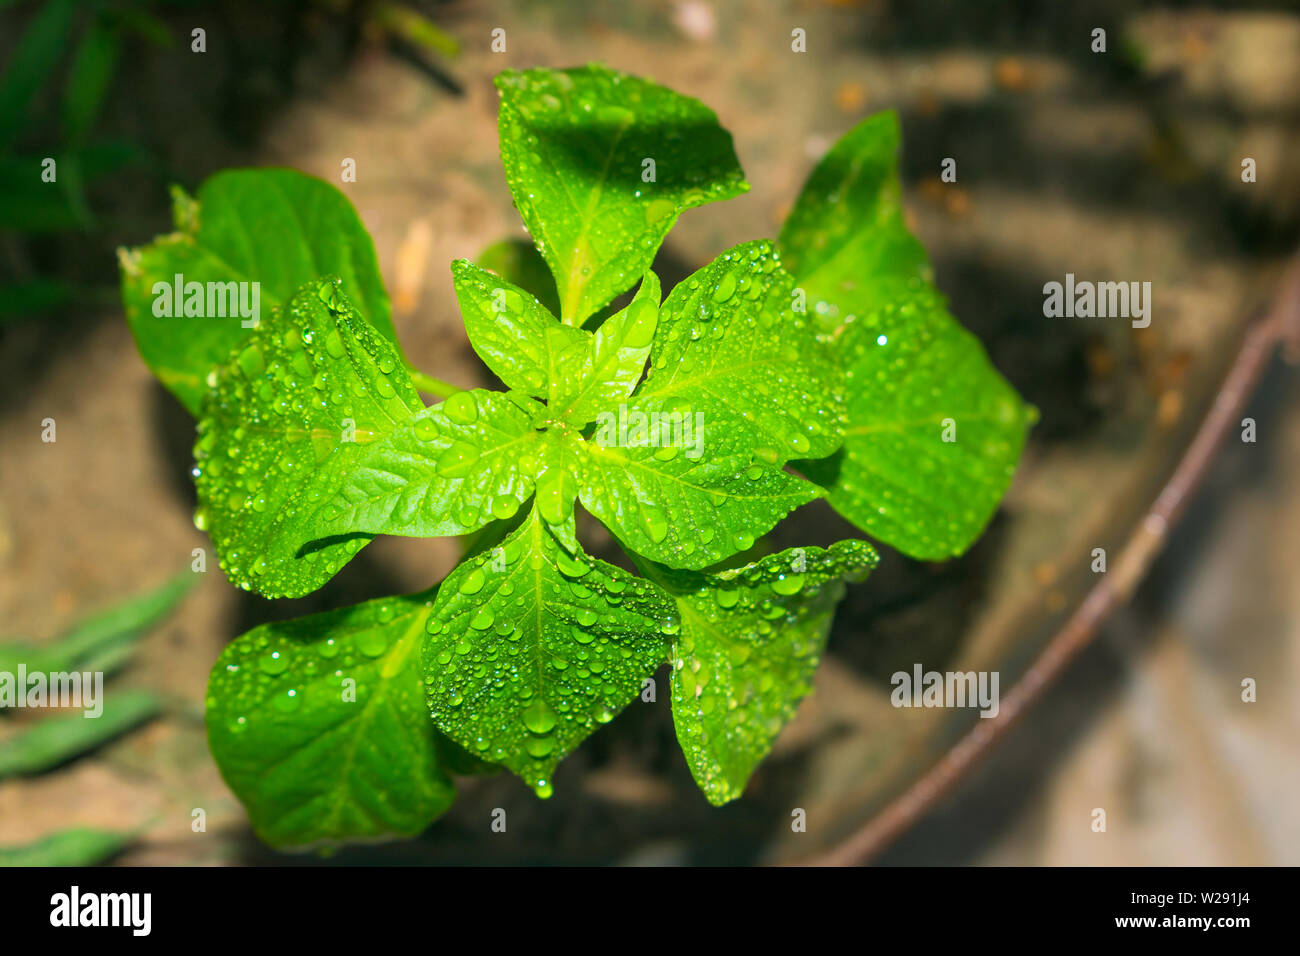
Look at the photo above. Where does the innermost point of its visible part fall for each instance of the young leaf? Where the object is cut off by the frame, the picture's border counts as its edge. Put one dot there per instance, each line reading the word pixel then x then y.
pixel 273 227
pixel 731 344
pixel 557 489
pixel 319 725
pixel 289 415
pixel 518 261
pixel 56 740
pixel 749 644
pixel 601 164
pixel 448 470
pixel 934 432
pixel 846 231
pixel 79 846
pixel 511 331
pixel 691 473
pixel 609 364
pixel 530 650
pixel 686 508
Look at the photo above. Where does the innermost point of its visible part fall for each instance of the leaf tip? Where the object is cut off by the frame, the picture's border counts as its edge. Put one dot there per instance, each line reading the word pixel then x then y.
pixel 128 260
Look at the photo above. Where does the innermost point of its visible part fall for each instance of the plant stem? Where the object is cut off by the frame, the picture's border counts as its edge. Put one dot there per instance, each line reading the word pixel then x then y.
pixel 434 386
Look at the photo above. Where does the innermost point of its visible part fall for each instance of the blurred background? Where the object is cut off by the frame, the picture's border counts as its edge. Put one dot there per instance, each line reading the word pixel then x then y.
pixel 1123 165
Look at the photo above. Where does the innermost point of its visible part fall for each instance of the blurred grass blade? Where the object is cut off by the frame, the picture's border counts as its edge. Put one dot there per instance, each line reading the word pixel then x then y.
pixel 89 79
pixel 21 300
pixel 28 204
pixel 415 28
pixel 108 633
pixel 79 846
pixel 101 635
pixel 126 621
pixel 56 740
pixel 32 64
pixel 145 25
pixel 107 661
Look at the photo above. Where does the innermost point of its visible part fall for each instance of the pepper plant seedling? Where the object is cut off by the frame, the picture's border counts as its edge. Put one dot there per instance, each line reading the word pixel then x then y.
pixel 821 365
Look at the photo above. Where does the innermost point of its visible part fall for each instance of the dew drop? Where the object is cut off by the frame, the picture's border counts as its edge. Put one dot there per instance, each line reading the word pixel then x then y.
pixel 539 718
pixel 461 408
pixel 726 286
pixel 788 584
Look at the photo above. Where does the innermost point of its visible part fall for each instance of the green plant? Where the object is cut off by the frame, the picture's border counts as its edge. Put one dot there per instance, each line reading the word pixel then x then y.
pixel 103 643
pixel 828 369
pixel 51 156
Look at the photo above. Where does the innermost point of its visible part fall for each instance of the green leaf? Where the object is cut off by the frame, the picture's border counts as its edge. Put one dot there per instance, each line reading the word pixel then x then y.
pixel 518 261
pixel 732 346
pixel 116 628
pixel 89 78
pixel 575 143
pixel 450 469
pixel 557 489
pixel 56 740
pixel 512 331
pixel 288 417
pixel 689 473
pixel 607 365
pixel 275 227
pixel 531 650
pixel 32 64
pixel 934 432
pixel 749 645
pixel 78 846
pixel 688 510
pixel 319 725
pixel 846 233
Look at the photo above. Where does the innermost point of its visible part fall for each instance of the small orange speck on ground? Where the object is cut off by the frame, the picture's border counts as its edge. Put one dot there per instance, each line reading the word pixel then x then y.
pixel 1010 74
pixel 850 97
pixel 1147 342
pixel 1100 359
pixel 1045 573
pixel 1170 408
pixel 954 199
pixel 957 201
pixel 1174 368
pixel 932 189
pixel 927 103
pixel 1194 48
